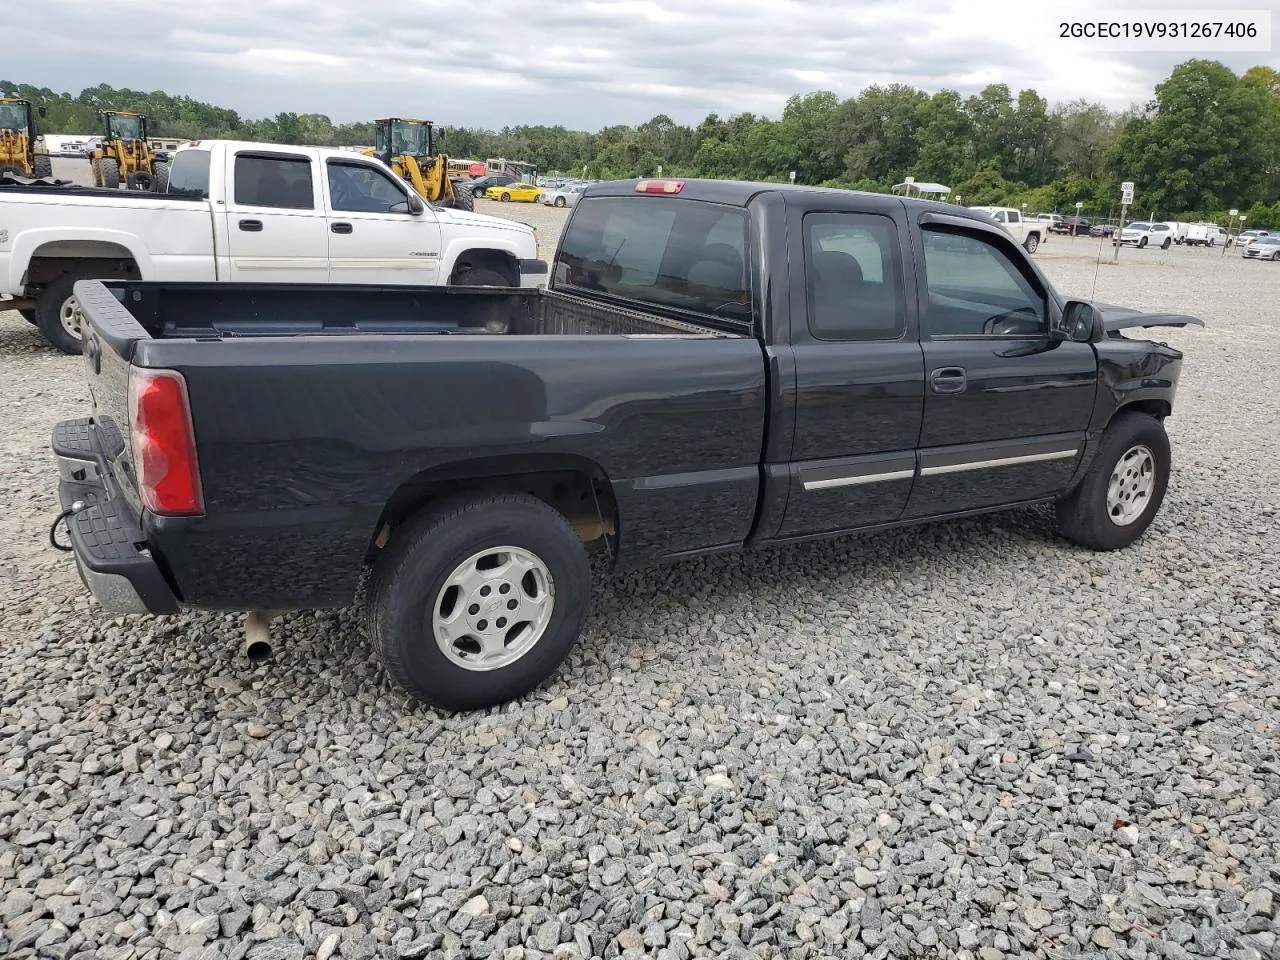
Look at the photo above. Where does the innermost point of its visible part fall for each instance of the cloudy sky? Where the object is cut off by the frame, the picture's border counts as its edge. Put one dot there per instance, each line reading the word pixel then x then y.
pixel 582 63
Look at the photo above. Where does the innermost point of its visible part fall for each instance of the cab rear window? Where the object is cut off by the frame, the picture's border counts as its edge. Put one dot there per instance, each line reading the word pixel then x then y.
pixel 679 254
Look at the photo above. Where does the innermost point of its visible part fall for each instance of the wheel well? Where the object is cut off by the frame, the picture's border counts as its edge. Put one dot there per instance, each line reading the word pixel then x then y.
pixel 61 257
pixel 498 260
pixel 578 489
pixel 1155 408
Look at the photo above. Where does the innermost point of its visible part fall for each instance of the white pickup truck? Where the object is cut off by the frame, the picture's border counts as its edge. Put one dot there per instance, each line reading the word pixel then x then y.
pixel 248 212
pixel 1028 232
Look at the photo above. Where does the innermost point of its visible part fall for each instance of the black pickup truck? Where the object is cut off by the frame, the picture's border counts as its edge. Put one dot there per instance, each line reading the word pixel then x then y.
pixel 713 365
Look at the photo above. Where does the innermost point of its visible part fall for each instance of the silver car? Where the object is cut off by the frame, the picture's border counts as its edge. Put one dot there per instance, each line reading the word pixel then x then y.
pixel 1266 247
pixel 565 196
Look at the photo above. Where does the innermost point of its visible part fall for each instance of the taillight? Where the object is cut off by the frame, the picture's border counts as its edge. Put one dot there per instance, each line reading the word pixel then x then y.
pixel 164 443
pixel 659 186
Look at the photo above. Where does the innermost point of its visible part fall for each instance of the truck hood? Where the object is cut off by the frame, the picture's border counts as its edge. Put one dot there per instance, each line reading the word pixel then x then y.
pixel 483 220
pixel 1115 317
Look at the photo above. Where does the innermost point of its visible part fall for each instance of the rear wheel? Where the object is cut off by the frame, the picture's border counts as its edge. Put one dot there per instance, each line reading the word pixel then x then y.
pixel 110 173
pixel 58 314
pixel 1032 243
pixel 95 171
pixel 1123 489
pixel 482 276
pixel 478 600
pixel 139 180
pixel 463 199
pixel 560 201
pixel 160 176
pixel 42 166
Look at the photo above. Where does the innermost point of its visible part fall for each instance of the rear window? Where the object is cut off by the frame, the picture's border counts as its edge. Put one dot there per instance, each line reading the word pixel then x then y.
pixel 661 251
pixel 189 174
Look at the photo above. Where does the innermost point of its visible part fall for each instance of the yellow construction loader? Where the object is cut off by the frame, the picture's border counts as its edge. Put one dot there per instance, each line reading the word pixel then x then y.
pixel 406 145
pixel 125 154
pixel 19 151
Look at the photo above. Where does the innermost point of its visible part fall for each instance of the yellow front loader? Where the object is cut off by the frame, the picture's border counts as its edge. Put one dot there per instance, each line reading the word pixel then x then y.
pixel 20 152
pixel 125 154
pixel 406 145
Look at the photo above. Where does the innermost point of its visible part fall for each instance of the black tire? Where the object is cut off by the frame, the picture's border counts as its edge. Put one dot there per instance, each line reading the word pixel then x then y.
pixel 1142 243
pixel 29 316
pixel 1083 516
pixel 140 180
pixel 1166 244
pixel 409 581
pixel 49 309
pixel 95 171
pixel 110 173
pixel 506 197
pixel 560 201
pixel 160 177
pixel 42 166
pixel 9 168
pixel 1032 243
pixel 483 276
pixel 463 199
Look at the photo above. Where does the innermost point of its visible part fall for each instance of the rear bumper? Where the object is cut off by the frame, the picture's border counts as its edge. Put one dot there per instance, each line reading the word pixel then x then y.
pixel 533 273
pixel 109 546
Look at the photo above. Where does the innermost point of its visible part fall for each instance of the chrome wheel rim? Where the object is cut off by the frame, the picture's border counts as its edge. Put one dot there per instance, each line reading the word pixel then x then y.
pixel 1133 480
pixel 70 316
pixel 493 608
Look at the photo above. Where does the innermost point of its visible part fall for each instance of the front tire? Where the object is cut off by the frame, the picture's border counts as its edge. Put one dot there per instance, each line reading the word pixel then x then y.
pixel 1142 243
pixel 160 170
pixel 58 314
pixel 42 166
pixel 1031 244
pixel 1165 245
pixel 463 199
pixel 110 171
pixel 560 201
pixel 506 197
pixel 477 600
pixel 1122 491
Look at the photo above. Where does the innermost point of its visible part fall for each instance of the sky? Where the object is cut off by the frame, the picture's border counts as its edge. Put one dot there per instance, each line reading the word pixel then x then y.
pixel 581 63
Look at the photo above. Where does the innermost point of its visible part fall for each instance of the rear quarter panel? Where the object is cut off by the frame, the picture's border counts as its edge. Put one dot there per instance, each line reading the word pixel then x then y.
pixel 303 440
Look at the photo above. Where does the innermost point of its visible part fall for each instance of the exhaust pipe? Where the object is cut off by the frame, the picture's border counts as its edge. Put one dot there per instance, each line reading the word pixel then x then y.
pixel 257 637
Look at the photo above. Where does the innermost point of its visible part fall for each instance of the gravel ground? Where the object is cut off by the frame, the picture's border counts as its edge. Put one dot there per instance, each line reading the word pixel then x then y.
pixel 963 740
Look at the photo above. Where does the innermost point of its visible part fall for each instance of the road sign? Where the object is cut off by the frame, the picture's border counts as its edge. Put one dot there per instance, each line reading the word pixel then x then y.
pixel 1233 211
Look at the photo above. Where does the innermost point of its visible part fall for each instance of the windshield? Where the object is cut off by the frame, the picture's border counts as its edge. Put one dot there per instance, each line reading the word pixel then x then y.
pixel 13 116
pixel 124 128
pixel 411 138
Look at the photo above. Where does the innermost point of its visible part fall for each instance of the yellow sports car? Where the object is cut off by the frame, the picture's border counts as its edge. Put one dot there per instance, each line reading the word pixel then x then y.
pixel 525 192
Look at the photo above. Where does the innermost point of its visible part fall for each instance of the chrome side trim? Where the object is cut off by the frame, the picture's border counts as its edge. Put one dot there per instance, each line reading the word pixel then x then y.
pixel 858 480
pixel 999 462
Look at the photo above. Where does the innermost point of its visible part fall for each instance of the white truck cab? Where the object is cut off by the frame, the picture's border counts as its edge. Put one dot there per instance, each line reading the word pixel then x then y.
pixel 1028 232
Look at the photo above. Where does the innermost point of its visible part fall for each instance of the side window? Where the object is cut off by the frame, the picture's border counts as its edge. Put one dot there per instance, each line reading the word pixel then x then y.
pixel 360 188
pixel 976 290
pixel 999 216
pixel 1015 216
pixel 681 254
pixel 853 277
pixel 189 174
pixel 274 181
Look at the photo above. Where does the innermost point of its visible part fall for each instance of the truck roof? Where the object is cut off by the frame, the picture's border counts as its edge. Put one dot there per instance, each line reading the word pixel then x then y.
pixel 322 152
pixel 740 193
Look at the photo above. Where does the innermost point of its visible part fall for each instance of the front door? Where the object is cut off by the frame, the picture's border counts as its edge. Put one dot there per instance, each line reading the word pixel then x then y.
pixel 275 225
pixel 373 238
pixel 859 373
pixel 1006 406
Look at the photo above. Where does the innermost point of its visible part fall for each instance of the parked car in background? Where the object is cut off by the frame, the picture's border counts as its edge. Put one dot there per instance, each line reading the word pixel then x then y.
pixel 520 192
pixel 1206 235
pixel 1056 221
pixel 1102 230
pixel 565 196
pixel 1076 226
pixel 1263 248
pixel 1029 233
pixel 480 184
pixel 1141 234
pixel 1178 230
pixel 1249 236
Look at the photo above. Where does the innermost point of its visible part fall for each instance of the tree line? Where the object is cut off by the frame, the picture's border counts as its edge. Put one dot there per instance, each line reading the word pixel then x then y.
pixel 1206 141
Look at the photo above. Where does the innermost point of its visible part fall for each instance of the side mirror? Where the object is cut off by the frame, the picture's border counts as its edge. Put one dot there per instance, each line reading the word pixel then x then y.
pixel 417 207
pixel 1078 321
pixel 42 112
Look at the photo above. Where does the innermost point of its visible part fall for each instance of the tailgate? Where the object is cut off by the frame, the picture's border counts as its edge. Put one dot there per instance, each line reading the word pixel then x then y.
pixel 111 335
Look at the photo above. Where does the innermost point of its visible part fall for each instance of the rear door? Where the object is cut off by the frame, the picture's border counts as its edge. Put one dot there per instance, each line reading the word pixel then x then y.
pixel 276 225
pixel 1006 405
pixel 859 371
pixel 373 238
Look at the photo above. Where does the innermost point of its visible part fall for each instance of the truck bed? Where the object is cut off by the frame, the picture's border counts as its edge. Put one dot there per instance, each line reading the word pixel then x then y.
pixel 235 310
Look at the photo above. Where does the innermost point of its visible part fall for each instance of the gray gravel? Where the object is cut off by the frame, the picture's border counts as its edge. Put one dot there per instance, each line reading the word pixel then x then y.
pixel 965 740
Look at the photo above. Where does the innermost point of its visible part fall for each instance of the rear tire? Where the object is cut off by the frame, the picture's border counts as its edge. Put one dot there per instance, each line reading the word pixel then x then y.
pixel 139 180
pixel 42 166
pixel 463 199
pixel 483 276
pixel 160 177
pixel 95 171
pixel 1031 244
pixel 110 173
pixel 57 314
pixel 1096 513
pixel 560 201
pixel 430 644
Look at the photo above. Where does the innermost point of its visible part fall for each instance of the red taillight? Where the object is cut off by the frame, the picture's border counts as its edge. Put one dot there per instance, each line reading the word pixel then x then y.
pixel 164 443
pixel 659 186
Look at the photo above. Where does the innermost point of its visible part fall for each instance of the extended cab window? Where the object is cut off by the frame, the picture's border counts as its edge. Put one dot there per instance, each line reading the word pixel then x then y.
pixel 274 181
pixel 664 251
pixel 360 188
pixel 853 276
pixel 189 174
pixel 975 289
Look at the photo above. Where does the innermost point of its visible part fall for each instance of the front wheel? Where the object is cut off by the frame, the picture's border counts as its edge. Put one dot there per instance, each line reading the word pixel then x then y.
pixel 160 183
pixel 1032 243
pixel 42 166
pixel 1165 245
pixel 506 197
pixel 560 201
pixel 1123 489
pixel 1142 243
pixel 477 600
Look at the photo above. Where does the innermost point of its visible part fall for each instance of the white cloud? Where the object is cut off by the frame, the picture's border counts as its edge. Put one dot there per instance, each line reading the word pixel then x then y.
pixel 582 63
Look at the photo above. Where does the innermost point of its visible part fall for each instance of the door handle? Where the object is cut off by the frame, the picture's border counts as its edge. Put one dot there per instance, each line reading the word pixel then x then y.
pixel 340 227
pixel 251 226
pixel 948 380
